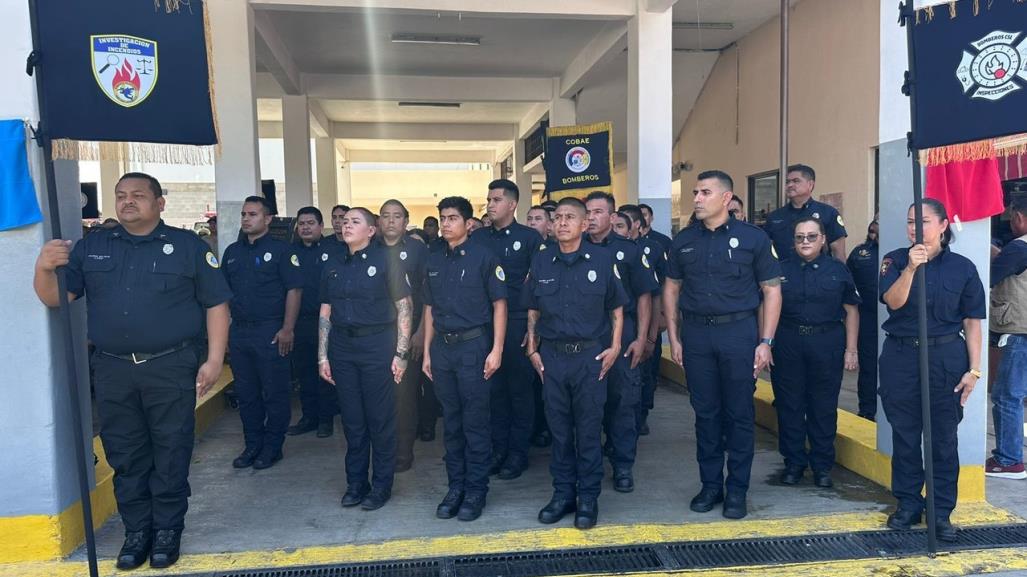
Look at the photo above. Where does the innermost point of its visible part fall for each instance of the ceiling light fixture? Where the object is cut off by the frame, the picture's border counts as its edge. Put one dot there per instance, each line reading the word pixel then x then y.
pixel 703 26
pixel 445 39
pixel 430 104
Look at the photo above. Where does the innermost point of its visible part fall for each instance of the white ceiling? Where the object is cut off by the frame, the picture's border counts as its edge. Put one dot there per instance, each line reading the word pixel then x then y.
pixel 744 15
pixel 444 145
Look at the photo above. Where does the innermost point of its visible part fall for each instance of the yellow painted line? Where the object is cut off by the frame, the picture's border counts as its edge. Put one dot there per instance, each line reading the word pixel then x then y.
pixel 520 541
pixel 50 537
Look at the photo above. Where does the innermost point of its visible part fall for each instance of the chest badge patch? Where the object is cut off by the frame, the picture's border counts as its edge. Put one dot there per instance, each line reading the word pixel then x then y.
pixel 169 248
pixel 402 255
pixel 500 274
pixel 733 243
pixel 620 255
pixel 267 257
pixel 371 270
pixel 592 276
pixel 212 260
pixel 295 260
pixel 816 215
pixel 646 250
pixel 324 257
pixel 517 245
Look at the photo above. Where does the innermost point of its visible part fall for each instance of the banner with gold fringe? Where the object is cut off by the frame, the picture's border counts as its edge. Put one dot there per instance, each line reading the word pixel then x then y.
pixel 578 157
pixel 128 80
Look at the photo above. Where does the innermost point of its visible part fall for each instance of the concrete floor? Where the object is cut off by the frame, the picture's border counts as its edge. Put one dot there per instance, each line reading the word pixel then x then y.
pixel 296 503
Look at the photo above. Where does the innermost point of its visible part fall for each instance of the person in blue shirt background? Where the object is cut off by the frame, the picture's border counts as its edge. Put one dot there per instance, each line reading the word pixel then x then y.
pixel 264 275
pixel 863 263
pixel 955 303
pixel 815 339
pixel 799 183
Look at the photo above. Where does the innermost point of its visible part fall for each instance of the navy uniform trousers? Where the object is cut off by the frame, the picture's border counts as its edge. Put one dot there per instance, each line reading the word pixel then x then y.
pixel 458 371
pixel 262 378
pixel 513 395
pixel 807 376
pixel 623 396
pixel 362 371
pixel 866 346
pixel 574 398
pixel 317 396
pixel 147 417
pixel 650 380
pixel 718 369
pixel 900 398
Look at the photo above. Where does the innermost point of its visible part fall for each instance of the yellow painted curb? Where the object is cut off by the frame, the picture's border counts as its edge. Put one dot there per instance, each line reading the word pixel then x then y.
pixel 48 537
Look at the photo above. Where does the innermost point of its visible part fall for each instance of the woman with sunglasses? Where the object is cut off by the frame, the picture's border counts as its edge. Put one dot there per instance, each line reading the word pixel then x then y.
pixel 816 339
pixel 955 303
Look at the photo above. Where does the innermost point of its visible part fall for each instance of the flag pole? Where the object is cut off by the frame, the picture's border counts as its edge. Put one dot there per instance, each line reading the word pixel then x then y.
pixel 907 18
pixel 45 142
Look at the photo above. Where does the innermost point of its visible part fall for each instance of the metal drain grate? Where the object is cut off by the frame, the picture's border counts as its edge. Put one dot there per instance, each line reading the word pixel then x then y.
pixel 664 556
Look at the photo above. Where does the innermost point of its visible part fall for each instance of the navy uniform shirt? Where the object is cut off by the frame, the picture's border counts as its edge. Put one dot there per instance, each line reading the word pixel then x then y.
pixel 862 263
pixel 514 246
pixel 574 293
pixel 636 274
pixel 363 288
pixel 657 236
pixel 813 292
pixel 780 223
pixel 260 274
pixel 954 293
pixel 312 261
pixel 1010 262
pixel 411 257
pixel 334 245
pixel 461 286
pixel 720 270
pixel 657 257
pixel 148 293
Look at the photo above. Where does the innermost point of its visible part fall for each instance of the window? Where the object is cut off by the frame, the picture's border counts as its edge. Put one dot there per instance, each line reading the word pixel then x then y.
pixel 763 197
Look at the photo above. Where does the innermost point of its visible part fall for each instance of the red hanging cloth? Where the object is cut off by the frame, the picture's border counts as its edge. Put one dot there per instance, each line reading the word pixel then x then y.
pixel 969 189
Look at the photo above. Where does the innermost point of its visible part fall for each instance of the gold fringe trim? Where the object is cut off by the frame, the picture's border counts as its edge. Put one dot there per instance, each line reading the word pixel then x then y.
pixel 928 11
pixel 978 150
pixel 149 152
pixel 208 37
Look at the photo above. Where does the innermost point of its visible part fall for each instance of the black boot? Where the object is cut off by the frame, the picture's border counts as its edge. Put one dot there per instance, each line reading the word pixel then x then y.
pixel 166 543
pixel 133 553
pixel 302 426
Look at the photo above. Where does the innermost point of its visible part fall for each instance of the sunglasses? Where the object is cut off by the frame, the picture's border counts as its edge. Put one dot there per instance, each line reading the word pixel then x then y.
pixel 811 237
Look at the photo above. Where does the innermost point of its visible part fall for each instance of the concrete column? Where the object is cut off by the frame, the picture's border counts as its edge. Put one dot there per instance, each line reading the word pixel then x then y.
pixel 237 171
pixel 522 180
pixel 38 482
pixel 650 97
pixel 110 172
pixel 327 168
pixel 562 111
pixel 299 184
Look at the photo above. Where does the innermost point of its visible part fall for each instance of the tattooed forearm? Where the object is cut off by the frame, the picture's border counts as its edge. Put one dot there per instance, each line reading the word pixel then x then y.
pixel 404 321
pixel 324 326
pixel 532 339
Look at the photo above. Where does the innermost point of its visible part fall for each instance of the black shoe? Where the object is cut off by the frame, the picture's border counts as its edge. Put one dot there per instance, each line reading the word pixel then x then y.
pixel 427 434
pixel 402 466
pixel 354 495
pixel 587 514
pixel 302 427
pixel 513 467
pixel 734 506
pixel 267 458
pixel 497 463
pixel 325 429
pixel 166 543
pixel 555 510
pixel 471 508
pixel 944 529
pixel 133 553
pixel 376 499
pixel 822 479
pixel 792 475
pixel 246 458
pixel 623 481
pixel 450 504
pixel 707 498
pixel 643 428
pixel 903 519
pixel 543 439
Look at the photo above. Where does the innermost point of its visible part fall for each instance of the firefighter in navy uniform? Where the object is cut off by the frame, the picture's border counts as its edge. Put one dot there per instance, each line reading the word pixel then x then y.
pixel 574 297
pixel 816 339
pixel 264 275
pixel 799 189
pixel 465 316
pixel 955 302
pixel 513 396
pixel 150 288
pixel 716 270
pixel 863 264
pixel 625 382
pixel 317 396
pixel 647 233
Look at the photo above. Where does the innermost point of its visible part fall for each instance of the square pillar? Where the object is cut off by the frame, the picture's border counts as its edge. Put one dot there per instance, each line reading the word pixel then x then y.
pixel 110 172
pixel 299 184
pixel 327 172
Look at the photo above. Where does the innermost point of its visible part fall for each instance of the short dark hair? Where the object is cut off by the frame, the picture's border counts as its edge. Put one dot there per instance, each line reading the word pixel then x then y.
pixel 476 219
pixel 572 201
pixel 394 202
pixel 738 199
pixel 371 218
pixel 643 206
pixel 600 195
pixel 510 189
pixel 819 223
pixel 461 204
pixel 547 211
pixel 633 212
pixel 625 216
pixel 311 210
pixel 724 178
pixel 549 205
pixel 261 201
pixel 341 207
pixel 430 219
pixel 948 237
pixel 807 171
pixel 153 182
pixel 1018 204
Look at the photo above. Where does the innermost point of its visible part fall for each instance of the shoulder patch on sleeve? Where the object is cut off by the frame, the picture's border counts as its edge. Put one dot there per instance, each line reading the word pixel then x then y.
pixel 645 261
pixel 616 272
pixel 500 274
pixel 885 264
pixel 773 251
pixel 295 260
pixel 840 221
pixel 212 260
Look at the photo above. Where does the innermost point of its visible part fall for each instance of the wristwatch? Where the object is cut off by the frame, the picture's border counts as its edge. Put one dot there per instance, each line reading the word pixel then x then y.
pixel 975 372
pixel 766 341
pixel 404 356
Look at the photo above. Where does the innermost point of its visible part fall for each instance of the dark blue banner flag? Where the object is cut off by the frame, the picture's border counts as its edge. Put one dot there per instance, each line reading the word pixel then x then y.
pixel 578 157
pixel 125 71
pixel 970 72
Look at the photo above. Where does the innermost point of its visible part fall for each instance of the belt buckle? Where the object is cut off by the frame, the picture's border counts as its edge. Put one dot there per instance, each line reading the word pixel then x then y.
pixel 137 361
pixel 916 341
pixel 450 338
pixel 710 320
pixel 805 330
pixel 573 347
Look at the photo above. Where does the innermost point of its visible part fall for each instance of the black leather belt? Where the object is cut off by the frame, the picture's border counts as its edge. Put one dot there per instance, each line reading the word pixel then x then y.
pixel 140 358
pixel 931 341
pixel 711 320
pixel 570 347
pixel 460 336
pixel 806 330
pixel 355 332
